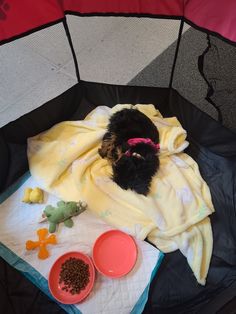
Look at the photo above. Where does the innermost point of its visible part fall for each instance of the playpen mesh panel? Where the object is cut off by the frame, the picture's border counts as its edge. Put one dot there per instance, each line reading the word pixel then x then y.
pixel 205 74
pixel 219 65
pixel 118 50
pixel 187 78
pixel 32 71
pixel 115 49
pixel 219 68
pixel 159 70
pixel 38 67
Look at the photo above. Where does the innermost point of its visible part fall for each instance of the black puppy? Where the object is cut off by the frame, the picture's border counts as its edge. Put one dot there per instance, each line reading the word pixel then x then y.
pixel 131 144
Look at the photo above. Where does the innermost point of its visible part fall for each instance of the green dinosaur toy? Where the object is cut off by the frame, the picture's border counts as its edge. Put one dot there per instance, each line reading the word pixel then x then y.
pixel 63 213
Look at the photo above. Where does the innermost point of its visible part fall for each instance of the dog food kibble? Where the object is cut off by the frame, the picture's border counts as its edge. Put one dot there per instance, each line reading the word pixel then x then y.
pixel 74 275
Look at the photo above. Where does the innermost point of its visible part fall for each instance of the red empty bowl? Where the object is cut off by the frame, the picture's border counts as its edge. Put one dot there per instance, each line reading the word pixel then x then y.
pixel 55 287
pixel 114 253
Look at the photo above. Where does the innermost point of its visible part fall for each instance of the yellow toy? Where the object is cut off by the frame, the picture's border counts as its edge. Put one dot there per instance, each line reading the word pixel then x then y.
pixel 33 195
pixel 42 243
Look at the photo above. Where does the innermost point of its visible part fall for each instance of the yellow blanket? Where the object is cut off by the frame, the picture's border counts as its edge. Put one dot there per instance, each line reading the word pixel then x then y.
pixel 65 162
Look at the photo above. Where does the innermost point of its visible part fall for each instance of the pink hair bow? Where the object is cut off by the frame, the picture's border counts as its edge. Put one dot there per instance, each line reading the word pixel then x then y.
pixel 137 140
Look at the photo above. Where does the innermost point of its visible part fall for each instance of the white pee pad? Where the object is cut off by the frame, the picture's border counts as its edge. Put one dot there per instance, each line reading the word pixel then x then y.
pixel 19 223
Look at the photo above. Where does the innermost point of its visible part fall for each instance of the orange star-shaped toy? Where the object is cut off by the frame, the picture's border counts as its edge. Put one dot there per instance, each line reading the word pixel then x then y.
pixel 42 243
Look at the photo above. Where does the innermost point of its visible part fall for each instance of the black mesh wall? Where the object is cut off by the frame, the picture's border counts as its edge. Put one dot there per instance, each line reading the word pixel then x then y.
pixel 219 70
pixel 205 74
pixel 187 78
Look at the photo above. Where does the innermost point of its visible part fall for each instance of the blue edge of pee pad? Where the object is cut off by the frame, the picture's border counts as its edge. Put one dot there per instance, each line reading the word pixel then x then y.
pixel 38 280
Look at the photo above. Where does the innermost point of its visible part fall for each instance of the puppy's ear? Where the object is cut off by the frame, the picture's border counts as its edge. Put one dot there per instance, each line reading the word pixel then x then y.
pixel 107 148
